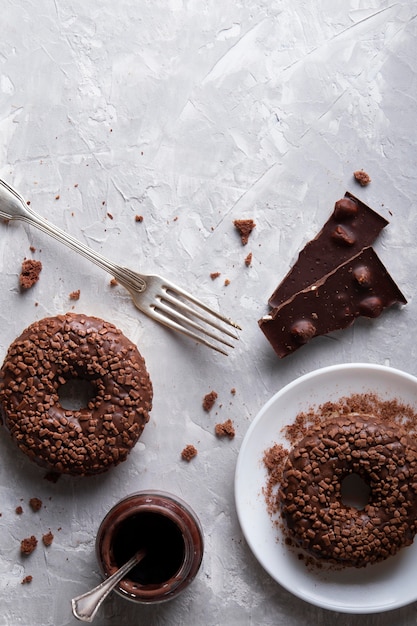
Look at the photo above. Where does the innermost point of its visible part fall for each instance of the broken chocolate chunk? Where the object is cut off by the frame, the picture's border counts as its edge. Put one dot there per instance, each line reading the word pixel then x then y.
pixel 360 287
pixel 352 226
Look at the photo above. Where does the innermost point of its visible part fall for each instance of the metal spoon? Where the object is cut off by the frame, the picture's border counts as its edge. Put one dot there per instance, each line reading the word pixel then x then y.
pixel 85 607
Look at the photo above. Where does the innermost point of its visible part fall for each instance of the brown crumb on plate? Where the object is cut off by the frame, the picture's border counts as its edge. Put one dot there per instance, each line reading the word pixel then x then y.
pixel 225 430
pixel 30 272
pixel 138 218
pixel 214 275
pixel 19 510
pixel 245 227
pixel 189 452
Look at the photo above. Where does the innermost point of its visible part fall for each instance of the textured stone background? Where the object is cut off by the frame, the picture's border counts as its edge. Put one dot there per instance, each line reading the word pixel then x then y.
pixel 194 113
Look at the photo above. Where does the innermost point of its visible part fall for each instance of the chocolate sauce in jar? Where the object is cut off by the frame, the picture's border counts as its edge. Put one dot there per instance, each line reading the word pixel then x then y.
pixel 169 532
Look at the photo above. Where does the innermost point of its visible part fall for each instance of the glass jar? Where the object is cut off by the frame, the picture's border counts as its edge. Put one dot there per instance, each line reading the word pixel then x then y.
pixel 169 531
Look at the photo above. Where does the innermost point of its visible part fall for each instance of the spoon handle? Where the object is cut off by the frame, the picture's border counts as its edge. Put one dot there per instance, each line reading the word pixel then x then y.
pixel 85 607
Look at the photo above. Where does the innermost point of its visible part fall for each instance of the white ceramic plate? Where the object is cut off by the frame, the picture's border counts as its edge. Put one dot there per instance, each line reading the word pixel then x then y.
pixel 376 588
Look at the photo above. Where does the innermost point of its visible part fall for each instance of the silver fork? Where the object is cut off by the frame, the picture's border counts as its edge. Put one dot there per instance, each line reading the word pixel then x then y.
pixel 155 296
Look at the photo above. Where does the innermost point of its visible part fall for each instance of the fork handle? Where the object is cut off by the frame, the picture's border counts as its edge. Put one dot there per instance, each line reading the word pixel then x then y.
pixel 14 207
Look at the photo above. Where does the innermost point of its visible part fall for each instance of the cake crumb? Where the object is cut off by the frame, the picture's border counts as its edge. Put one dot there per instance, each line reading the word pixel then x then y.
pixel 248 259
pixel 245 227
pixel 19 510
pixel 35 504
pixel 362 177
pixel 47 538
pixel 225 430
pixel 227 282
pixel 214 275
pixel 26 580
pixel 110 216
pixel 113 282
pixel 189 452
pixel 233 391
pixel 209 400
pixel 28 545
pixel 30 272
pixel 75 295
pixel 138 218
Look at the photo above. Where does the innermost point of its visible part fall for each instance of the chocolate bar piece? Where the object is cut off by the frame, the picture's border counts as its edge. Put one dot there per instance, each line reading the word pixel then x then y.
pixel 359 287
pixel 351 227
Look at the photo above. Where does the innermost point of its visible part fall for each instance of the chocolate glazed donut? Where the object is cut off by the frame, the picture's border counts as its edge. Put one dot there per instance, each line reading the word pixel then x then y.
pixel 74 347
pixel 317 520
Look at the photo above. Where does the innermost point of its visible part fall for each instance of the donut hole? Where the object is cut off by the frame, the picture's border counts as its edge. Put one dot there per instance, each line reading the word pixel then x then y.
pixel 76 393
pixel 355 491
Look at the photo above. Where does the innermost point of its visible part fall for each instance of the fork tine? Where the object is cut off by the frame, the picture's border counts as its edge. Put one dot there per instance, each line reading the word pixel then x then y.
pixel 179 305
pixel 174 289
pixel 170 305
pixel 170 323
pixel 174 314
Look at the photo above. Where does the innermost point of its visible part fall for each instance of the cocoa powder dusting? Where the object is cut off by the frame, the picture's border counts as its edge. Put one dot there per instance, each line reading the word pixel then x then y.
pixel 274 460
